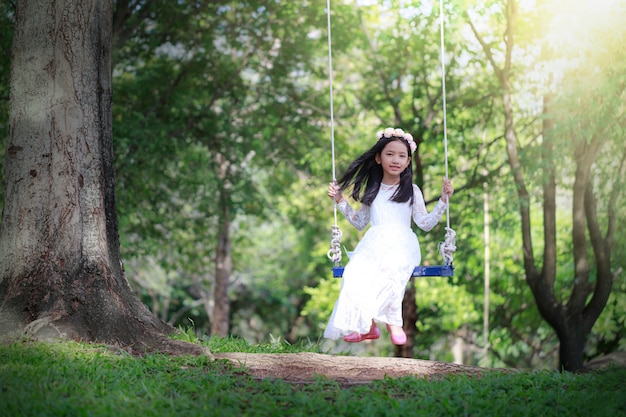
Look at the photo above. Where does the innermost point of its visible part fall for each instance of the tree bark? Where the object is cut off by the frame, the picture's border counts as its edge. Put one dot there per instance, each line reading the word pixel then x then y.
pixel 572 340
pixel 409 315
pixel 61 273
pixel 220 321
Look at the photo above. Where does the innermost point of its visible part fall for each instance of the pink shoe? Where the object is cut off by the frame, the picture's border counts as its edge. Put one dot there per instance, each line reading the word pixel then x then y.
pixel 397 339
pixel 374 333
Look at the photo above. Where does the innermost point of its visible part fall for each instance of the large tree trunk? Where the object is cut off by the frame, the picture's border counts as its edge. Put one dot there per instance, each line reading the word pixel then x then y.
pixel 60 267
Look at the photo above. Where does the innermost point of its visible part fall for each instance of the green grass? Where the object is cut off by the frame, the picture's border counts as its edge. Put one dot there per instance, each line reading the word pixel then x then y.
pixel 72 379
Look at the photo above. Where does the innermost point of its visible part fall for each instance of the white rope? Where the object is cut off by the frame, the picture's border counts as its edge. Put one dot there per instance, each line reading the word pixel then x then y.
pixel 448 247
pixel 334 253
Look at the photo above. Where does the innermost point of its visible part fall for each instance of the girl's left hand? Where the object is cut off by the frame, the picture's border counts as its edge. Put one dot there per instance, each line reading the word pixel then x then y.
pixel 334 192
pixel 446 190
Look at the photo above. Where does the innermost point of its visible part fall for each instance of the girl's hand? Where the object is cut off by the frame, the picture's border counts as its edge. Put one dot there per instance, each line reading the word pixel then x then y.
pixel 446 190
pixel 334 193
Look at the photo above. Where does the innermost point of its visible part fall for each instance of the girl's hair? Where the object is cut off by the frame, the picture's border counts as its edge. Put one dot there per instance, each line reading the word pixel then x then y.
pixel 366 173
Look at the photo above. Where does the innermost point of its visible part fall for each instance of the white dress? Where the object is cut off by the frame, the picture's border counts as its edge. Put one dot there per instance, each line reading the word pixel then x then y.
pixel 376 275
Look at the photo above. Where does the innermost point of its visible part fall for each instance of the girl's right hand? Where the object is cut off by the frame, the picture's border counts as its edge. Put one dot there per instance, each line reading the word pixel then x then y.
pixel 334 193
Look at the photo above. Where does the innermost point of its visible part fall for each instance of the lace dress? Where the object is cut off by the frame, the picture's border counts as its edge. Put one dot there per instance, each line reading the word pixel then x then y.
pixel 376 275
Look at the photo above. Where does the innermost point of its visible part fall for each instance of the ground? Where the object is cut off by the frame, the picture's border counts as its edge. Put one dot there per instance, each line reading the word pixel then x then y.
pixel 355 370
pixel 346 370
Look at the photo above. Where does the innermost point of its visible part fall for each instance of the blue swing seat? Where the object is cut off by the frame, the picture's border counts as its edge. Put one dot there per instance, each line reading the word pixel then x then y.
pixel 419 271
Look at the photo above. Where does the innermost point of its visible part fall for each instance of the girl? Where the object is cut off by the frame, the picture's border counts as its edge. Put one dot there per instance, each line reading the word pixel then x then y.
pixel 375 278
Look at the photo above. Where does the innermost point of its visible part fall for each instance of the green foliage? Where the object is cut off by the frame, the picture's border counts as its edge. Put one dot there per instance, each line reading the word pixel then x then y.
pixel 322 300
pixel 443 306
pixel 609 331
pixel 218 344
pixel 59 379
pixel 220 105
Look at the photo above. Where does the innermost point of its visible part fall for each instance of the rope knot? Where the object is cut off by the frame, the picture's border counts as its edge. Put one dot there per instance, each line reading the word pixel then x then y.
pixel 448 247
pixel 334 253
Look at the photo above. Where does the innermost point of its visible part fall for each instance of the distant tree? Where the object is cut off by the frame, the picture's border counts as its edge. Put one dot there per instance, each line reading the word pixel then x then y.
pixel 581 134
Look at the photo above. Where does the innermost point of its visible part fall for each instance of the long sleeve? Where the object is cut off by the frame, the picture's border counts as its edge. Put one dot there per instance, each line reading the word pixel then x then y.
pixel 359 219
pixel 422 218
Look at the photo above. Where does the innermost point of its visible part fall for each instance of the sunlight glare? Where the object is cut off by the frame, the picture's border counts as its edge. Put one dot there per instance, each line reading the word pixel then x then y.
pixel 574 20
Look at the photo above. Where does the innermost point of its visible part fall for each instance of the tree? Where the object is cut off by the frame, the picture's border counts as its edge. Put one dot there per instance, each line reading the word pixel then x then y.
pixel 565 127
pixel 61 273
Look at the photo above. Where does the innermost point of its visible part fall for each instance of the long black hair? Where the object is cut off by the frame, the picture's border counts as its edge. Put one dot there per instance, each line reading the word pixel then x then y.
pixel 365 175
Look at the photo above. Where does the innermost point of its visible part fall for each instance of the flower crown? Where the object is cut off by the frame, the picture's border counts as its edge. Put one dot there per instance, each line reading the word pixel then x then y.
pixel 397 133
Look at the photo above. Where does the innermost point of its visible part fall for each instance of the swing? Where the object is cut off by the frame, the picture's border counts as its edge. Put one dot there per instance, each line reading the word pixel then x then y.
pixel 447 247
pixel 419 271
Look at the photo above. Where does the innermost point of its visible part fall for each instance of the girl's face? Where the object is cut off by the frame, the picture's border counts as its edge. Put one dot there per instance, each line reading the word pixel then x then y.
pixel 394 159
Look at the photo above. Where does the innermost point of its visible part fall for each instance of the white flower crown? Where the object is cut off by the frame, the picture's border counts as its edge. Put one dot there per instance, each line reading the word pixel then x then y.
pixel 398 133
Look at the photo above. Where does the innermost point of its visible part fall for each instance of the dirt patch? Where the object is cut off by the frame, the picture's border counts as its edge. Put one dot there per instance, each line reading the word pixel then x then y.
pixel 346 370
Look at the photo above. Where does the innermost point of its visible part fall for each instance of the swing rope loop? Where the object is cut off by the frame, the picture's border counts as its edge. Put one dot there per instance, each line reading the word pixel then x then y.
pixel 448 247
pixel 334 253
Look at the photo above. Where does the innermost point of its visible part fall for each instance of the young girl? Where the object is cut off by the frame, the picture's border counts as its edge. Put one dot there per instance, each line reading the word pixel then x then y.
pixel 375 278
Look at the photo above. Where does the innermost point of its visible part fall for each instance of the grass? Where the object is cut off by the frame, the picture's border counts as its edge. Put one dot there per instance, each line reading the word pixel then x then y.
pixel 72 379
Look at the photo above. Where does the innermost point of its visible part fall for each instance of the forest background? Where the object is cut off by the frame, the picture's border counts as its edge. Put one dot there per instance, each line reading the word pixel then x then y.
pixel 222 144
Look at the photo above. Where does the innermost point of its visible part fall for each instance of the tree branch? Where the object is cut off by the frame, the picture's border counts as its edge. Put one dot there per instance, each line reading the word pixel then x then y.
pixel 585 154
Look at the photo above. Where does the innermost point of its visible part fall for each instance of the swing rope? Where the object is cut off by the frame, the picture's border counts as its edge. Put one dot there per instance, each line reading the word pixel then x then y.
pixel 447 247
pixel 334 253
